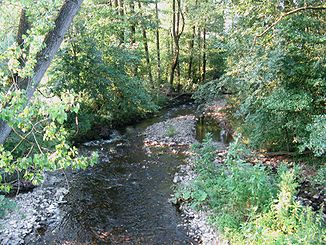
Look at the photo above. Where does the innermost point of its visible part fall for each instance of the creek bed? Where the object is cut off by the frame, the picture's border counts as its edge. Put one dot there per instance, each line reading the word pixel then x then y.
pixel 124 199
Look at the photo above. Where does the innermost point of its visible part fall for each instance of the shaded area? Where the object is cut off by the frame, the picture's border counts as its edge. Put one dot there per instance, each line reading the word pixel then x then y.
pixel 209 125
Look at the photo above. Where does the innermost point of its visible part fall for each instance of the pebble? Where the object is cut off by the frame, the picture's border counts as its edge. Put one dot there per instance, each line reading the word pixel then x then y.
pixel 34 209
pixel 196 222
pixel 175 132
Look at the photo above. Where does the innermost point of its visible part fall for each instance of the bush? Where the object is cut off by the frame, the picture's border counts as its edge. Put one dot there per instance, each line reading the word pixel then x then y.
pixel 109 94
pixel 287 222
pixel 250 204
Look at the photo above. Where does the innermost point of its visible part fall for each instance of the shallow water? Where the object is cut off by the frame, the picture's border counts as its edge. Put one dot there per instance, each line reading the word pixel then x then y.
pixel 208 125
pixel 125 198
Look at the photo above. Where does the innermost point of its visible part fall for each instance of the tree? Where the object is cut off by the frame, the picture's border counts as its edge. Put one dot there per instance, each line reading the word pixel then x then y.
pixel 178 24
pixel 159 75
pixel 145 42
pixel 39 141
pixel 275 74
pixel 52 43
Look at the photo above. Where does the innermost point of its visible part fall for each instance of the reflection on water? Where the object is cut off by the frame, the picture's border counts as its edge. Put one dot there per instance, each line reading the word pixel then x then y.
pixel 123 199
pixel 208 125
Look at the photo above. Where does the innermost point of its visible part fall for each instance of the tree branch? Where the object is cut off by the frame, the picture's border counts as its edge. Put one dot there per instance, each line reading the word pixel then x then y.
pixel 52 43
pixel 287 14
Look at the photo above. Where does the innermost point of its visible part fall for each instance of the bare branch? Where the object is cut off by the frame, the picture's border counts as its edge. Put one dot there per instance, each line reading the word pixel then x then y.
pixel 287 14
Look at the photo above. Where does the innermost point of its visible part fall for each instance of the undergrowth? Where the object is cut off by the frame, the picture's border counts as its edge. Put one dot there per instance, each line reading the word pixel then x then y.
pixel 249 203
pixel 5 205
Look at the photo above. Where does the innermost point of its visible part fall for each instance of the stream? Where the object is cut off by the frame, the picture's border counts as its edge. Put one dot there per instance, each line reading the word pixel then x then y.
pixel 124 199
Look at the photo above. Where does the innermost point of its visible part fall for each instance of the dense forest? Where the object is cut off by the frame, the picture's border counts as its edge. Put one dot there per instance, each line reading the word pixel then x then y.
pixel 71 70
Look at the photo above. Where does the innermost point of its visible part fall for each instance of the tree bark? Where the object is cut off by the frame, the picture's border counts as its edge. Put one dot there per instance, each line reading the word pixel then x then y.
pixel 146 48
pixel 176 34
pixel 200 48
pixel 23 27
pixel 159 75
pixel 52 42
pixel 191 48
pixel 122 14
pixel 133 24
pixel 203 73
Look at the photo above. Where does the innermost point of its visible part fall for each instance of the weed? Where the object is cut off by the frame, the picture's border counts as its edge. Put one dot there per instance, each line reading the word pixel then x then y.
pixel 250 204
pixel 171 131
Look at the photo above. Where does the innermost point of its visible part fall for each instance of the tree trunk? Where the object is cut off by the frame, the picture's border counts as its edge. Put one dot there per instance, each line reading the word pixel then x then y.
pixel 133 24
pixel 176 34
pixel 159 76
pixel 200 48
pixel 146 48
pixel 122 14
pixel 191 48
pixel 23 27
pixel 51 43
pixel 174 37
pixel 203 73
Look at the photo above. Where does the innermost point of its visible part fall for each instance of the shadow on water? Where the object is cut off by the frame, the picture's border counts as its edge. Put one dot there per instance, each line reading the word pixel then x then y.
pixel 124 198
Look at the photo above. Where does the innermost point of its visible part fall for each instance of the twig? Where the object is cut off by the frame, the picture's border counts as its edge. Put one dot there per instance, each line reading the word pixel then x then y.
pixel 23 138
pixel 39 147
pixel 18 181
pixel 286 14
pixel 30 150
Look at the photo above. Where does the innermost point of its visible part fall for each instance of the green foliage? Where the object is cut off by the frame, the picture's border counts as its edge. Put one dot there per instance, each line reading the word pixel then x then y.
pixel 319 179
pixel 39 142
pixel 249 204
pixel 103 72
pixel 5 205
pixel 277 82
pixel 316 141
pixel 208 92
pixel 287 222
pixel 171 131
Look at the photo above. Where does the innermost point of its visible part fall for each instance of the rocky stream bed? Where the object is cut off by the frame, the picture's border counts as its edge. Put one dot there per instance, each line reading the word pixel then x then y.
pixel 119 201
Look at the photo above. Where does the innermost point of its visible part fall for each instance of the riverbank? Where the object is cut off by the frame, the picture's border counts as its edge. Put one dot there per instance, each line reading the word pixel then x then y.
pixel 35 212
pixel 237 186
pixel 179 134
pixel 118 201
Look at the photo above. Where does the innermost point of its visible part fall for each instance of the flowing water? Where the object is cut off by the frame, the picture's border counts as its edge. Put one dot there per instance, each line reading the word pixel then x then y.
pixel 124 199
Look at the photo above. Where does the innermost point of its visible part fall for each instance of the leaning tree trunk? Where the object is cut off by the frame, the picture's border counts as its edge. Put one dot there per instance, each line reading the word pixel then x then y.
pixel 23 28
pixel 51 43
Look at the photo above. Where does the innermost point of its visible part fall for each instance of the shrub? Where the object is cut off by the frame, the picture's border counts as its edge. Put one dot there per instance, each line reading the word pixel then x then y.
pixel 250 204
